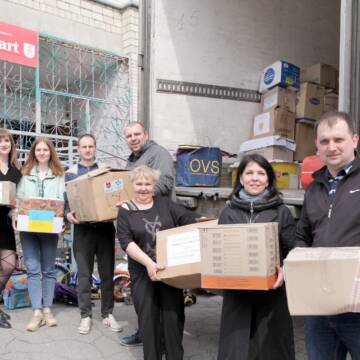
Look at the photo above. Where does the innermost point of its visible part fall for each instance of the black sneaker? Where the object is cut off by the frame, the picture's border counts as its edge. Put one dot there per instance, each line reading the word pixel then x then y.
pixel 131 340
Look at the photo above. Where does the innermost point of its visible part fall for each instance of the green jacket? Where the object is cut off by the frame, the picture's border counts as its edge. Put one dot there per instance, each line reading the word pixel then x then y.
pixel 53 186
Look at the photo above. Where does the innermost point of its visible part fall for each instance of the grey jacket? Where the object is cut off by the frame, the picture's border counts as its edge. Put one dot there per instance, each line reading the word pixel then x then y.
pixel 156 157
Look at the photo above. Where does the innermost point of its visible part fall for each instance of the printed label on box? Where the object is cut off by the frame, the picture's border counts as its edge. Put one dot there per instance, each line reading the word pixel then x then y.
pixel 113 186
pixel 262 124
pixel 270 101
pixel 183 248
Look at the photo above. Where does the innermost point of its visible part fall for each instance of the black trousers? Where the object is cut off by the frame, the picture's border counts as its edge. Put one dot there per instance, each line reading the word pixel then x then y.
pixel 256 325
pixel 92 240
pixel 160 310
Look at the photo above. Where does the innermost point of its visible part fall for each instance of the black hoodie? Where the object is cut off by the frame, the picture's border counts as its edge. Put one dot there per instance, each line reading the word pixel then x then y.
pixel 272 209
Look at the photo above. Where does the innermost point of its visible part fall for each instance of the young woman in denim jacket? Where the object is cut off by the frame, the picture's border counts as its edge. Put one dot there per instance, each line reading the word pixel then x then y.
pixel 43 176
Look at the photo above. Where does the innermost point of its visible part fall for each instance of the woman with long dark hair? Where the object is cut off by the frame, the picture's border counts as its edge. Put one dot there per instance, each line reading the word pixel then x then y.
pixel 256 324
pixel 43 176
pixel 9 171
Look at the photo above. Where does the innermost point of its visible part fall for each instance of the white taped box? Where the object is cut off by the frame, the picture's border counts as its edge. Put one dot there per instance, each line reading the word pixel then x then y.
pixel 323 281
pixel 7 193
pixel 255 144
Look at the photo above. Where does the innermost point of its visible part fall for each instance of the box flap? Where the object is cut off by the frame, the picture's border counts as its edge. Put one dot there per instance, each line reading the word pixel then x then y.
pixel 97 172
pixel 267 141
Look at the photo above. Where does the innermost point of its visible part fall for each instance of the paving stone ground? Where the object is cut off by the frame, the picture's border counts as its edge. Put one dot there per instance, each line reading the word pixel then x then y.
pixel 64 343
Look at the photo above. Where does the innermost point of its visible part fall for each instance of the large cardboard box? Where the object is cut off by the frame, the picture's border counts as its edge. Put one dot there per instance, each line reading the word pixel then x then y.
pixel 40 215
pixel 276 121
pixel 310 101
pixel 279 96
pixel 323 281
pixel 331 102
pixel 271 147
pixel 93 196
pixel 280 73
pixel 7 193
pixel 242 256
pixel 322 74
pixel 305 140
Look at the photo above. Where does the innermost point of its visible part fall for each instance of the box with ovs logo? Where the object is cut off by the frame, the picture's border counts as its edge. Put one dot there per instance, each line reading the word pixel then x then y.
pixel 206 255
pixel 93 196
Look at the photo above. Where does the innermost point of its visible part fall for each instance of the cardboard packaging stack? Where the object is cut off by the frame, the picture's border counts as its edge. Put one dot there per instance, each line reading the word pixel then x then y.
pixel 7 193
pixel 278 85
pixel 40 215
pixel 316 96
pixel 323 281
pixel 93 196
pixel 214 256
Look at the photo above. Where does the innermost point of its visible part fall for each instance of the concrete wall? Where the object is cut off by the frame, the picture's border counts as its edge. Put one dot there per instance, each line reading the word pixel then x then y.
pixel 84 22
pixel 228 43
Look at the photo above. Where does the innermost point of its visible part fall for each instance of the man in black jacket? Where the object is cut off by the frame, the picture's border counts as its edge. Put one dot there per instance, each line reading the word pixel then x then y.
pixel 331 218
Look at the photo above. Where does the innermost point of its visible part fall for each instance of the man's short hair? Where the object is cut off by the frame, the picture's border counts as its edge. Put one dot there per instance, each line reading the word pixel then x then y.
pixel 91 136
pixel 332 117
pixel 133 123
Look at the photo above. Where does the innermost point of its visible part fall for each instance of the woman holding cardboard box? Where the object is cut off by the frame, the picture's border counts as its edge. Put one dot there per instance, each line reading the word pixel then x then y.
pixel 43 177
pixel 257 324
pixel 9 171
pixel 160 307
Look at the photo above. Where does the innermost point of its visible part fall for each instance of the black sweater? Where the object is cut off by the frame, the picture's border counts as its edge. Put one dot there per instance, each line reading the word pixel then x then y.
pixel 141 226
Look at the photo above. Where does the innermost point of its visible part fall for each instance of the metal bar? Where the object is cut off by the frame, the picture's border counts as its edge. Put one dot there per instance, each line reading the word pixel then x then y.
pixel 206 90
pixel 82 97
pixel 37 92
pixel 34 134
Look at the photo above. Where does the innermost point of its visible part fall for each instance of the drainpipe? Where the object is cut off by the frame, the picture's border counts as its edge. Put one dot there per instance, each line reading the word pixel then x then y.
pixel 120 5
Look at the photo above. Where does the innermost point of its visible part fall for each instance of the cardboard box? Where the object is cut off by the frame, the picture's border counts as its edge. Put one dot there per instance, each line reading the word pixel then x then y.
pixel 40 215
pixel 287 174
pixel 271 147
pixel 279 96
pixel 280 73
pixel 331 102
pixel 310 102
pixel 242 256
pixel 7 193
pixel 93 196
pixel 323 281
pixel 305 140
pixel 322 74
pixel 276 121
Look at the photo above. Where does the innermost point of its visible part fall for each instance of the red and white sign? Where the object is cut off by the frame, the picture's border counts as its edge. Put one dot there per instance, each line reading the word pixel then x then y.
pixel 18 45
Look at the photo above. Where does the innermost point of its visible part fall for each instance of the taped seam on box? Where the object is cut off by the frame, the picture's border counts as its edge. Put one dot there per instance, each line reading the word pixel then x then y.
pixel 355 294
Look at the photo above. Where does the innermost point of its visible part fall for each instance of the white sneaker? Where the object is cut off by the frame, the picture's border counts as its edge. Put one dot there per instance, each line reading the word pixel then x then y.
pixel 85 325
pixel 111 322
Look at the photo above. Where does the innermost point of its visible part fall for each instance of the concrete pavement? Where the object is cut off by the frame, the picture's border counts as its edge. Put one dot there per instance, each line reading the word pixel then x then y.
pixel 65 343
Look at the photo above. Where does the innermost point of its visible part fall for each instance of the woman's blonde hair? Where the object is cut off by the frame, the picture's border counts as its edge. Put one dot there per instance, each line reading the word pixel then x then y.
pixel 54 162
pixel 13 155
pixel 146 172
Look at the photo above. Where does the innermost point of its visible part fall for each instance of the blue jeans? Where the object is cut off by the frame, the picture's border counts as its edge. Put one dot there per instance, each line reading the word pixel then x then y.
pixel 332 337
pixel 39 252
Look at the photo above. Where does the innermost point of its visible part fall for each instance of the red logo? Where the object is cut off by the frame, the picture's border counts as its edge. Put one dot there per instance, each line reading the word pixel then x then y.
pixel 18 45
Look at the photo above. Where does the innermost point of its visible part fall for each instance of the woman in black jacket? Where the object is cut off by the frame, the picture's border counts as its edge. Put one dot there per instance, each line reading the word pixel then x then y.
pixel 256 325
pixel 9 171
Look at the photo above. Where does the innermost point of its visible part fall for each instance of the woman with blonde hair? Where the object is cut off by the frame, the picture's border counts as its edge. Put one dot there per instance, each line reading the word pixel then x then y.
pixel 43 176
pixel 160 307
pixel 9 171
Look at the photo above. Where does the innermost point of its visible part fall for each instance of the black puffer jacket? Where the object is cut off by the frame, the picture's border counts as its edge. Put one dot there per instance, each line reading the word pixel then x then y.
pixel 321 226
pixel 269 210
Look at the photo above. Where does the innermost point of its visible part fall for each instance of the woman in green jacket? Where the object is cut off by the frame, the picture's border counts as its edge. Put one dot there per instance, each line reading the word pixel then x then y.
pixel 43 176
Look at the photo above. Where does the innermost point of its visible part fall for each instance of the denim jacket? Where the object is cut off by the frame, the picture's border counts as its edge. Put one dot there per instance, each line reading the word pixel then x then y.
pixel 52 186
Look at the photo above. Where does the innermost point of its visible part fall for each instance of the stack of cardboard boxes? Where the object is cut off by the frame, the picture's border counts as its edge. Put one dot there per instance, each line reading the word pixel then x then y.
pixel 273 130
pixel 284 130
pixel 317 95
